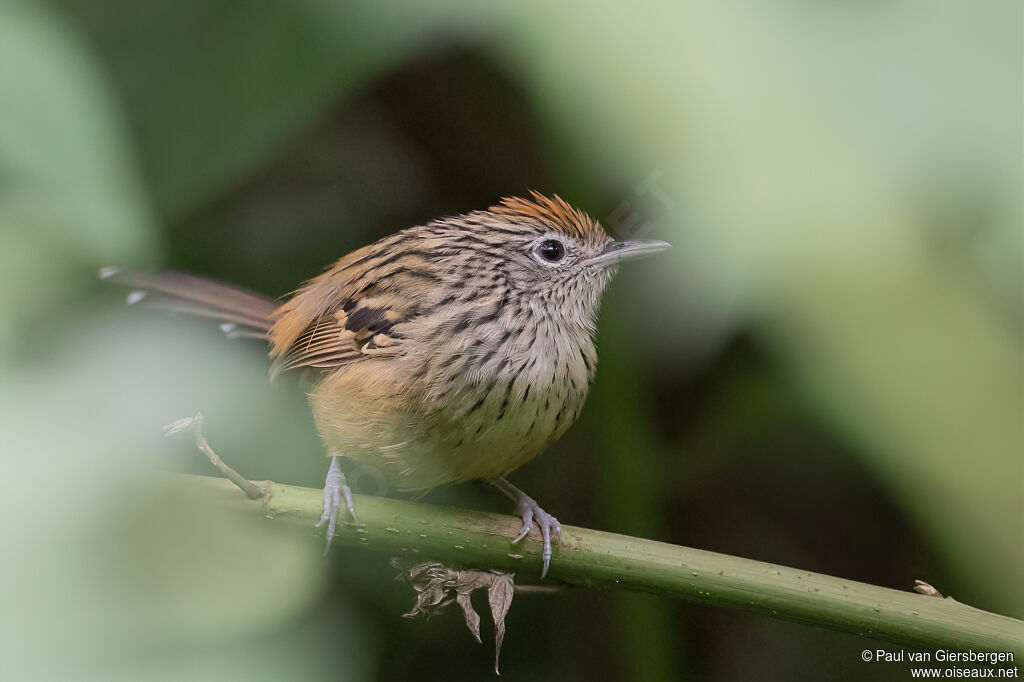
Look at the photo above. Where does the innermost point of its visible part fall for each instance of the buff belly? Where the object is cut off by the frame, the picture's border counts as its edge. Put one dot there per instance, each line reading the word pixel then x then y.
pixel 416 443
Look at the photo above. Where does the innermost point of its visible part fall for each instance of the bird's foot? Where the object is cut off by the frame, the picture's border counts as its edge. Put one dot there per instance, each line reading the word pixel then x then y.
pixel 335 489
pixel 531 513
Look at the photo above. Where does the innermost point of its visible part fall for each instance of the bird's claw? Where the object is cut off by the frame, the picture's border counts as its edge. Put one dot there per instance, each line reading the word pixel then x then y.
pixel 531 512
pixel 335 489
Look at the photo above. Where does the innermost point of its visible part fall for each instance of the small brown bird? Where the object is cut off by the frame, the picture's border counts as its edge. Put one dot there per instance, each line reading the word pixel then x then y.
pixel 455 350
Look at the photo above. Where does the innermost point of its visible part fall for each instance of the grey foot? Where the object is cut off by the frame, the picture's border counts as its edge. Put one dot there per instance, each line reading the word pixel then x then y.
pixel 335 489
pixel 532 513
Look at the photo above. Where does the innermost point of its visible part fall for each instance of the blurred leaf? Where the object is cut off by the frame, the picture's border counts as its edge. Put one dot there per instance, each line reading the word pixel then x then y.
pixel 67 192
pixel 111 571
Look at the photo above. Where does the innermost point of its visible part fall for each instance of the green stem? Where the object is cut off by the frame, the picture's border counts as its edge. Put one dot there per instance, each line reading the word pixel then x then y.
pixel 595 559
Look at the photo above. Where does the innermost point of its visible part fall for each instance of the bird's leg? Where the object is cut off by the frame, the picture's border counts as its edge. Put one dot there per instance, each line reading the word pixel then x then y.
pixel 531 512
pixel 335 488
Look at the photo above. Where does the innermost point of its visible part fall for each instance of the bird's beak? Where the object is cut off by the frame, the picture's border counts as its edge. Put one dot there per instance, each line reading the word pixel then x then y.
pixel 616 252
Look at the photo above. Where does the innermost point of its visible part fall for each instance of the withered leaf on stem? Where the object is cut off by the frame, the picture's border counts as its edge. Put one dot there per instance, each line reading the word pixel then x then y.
pixel 437 586
pixel 499 596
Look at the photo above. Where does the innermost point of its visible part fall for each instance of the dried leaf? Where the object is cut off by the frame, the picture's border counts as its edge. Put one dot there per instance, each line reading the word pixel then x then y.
pixel 472 617
pixel 499 596
pixel 436 586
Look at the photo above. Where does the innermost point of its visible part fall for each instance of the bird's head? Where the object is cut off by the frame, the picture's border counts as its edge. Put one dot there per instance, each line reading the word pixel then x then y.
pixel 548 252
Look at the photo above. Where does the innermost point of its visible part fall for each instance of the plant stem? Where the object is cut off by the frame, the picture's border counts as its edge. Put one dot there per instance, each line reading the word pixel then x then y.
pixel 596 559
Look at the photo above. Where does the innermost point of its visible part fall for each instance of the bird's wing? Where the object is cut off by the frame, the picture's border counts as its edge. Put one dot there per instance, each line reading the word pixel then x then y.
pixel 355 310
pixel 355 329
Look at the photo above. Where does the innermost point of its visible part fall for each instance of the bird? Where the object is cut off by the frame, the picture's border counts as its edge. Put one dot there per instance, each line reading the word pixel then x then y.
pixel 455 350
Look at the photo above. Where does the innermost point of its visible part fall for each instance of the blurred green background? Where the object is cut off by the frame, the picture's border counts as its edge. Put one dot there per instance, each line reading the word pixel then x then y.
pixel 825 372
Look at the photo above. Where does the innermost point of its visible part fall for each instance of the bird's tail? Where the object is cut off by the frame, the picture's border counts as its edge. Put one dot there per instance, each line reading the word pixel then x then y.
pixel 240 312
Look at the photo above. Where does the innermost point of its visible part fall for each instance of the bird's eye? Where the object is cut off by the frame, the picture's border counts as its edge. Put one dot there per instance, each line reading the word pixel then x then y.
pixel 551 250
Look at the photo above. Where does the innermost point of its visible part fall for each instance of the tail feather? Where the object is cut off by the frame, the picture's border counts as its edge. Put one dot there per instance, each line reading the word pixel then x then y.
pixel 228 319
pixel 240 312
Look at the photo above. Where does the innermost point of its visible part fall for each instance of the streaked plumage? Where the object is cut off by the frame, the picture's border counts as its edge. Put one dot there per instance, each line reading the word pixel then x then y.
pixel 452 353
pixel 449 351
